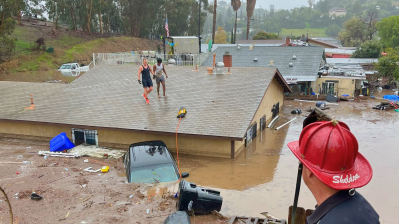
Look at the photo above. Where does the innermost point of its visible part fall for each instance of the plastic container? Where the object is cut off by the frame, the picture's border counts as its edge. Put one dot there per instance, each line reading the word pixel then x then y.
pixel 60 143
pixel 104 169
pixel 204 201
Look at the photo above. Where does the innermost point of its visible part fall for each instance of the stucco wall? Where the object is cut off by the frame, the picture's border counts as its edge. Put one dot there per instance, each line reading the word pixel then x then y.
pixel 273 95
pixel 343 86
pixel 121 138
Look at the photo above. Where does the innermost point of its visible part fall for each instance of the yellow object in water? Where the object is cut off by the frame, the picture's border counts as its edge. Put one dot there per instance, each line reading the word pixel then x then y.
pixel 104 169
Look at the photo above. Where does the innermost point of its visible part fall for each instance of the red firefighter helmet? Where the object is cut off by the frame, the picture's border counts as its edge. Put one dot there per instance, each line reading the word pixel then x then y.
pixel 330 151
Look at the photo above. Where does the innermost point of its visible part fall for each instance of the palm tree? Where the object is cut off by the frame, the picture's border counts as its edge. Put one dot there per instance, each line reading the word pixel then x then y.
pixel 236 5
pixel 250 12
pixel 215 4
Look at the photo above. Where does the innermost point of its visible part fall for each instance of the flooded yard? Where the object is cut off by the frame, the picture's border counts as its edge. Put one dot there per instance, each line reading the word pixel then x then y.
pixel 41 76
pixel 263 177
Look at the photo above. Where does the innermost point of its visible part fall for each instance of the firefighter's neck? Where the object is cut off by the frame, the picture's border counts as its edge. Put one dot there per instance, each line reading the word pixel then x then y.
pixel 322 192
pixel 319 190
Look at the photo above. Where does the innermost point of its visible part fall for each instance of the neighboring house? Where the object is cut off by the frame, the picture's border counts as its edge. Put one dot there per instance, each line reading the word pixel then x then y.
pixel 339 85
pixel 288 42
pixel 339 53
pixel 345 76
pixel 337 12
pixel 298 65
pixel 105 107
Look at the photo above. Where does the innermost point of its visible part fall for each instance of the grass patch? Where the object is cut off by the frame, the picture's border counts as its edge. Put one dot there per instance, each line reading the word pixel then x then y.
pixel 22 47
pixel 64 41
pixel 313 32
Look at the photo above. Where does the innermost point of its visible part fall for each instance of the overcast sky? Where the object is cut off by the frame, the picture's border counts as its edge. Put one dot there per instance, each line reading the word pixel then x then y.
pixel 280 4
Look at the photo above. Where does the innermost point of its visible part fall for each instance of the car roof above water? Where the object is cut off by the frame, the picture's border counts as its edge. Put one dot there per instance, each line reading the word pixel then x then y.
pixel 149 153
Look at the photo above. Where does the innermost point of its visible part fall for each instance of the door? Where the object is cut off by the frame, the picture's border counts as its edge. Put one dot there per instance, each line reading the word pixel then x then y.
pixel 79 137
pixel 328 88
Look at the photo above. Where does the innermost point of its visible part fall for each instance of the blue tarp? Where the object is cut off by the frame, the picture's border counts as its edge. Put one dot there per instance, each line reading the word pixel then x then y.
pixel 391 97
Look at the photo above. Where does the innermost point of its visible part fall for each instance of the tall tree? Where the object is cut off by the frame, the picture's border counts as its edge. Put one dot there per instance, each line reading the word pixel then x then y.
pixel 388 65
pixel 215 4
pixel 236 5
pixel 89 8
pixel 388 30
pixel 221 36
pixel 250 12
pixel 370 22
pixel 8 9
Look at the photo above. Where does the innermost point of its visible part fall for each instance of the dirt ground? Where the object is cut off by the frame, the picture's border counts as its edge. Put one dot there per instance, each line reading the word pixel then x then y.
pixel 71 195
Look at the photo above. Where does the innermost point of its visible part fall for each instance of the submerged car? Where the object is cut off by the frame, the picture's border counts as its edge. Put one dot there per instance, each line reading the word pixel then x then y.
pixel 150 162
pixel 73 67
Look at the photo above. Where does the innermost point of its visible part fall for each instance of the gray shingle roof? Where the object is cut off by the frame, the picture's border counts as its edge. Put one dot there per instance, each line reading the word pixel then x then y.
pixel 306 65
pixel 110 96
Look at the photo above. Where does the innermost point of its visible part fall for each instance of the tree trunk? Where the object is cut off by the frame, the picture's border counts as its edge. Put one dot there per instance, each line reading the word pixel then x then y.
pixel 100 19
pixel 19 17
pixel 73 18
pixel 235 28
pixel 109 25
pixel 247 28
pixel 89 9
pixel 214 21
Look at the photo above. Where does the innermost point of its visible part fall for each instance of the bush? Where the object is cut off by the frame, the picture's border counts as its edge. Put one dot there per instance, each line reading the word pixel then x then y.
pixel 40 44
pixel 262 35
pixel 369 49
pixel 50 50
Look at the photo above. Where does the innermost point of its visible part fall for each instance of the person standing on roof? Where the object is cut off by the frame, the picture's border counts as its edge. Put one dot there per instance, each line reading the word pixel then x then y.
pixel 145 70
pixel 160 78
pixel 332 170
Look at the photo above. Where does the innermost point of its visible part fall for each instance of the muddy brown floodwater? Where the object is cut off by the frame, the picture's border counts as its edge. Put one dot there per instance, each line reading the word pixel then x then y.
pixel 263 177
pixel 41 76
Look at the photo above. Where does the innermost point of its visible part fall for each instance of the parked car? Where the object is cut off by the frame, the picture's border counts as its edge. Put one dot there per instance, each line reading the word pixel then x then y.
pixel 150 162
pixel 70 67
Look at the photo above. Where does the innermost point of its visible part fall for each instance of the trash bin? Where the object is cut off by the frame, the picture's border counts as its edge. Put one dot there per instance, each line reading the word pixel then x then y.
pixel 204 201
pixel 60 142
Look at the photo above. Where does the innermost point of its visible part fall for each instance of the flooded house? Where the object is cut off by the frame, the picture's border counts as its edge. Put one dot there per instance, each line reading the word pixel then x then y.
pixel 105 107
pixel 345 76
pixel 299 65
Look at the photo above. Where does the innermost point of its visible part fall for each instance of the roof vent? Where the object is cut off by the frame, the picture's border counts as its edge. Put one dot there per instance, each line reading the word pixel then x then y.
pixel 255 59
pixel 219 68
pixel 238 46
pixel 291 64
pixel 271 62
pixel 294 57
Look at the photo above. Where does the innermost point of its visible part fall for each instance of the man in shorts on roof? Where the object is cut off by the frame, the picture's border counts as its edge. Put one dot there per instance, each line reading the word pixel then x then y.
pixel 145 70
pixel 159 77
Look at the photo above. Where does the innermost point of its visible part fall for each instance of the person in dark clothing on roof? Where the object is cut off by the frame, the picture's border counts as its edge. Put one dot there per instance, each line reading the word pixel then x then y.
pixel 145 70
pixel 332 170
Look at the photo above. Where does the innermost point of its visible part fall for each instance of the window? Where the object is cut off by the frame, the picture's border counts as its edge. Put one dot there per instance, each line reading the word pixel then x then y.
pixel 276 109
pixel 83 136
pixel 262 123
pixel 251 134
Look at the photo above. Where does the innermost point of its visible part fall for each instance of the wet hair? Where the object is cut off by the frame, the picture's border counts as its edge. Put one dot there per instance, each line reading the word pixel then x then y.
pixel 145 59
pixel 159 60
